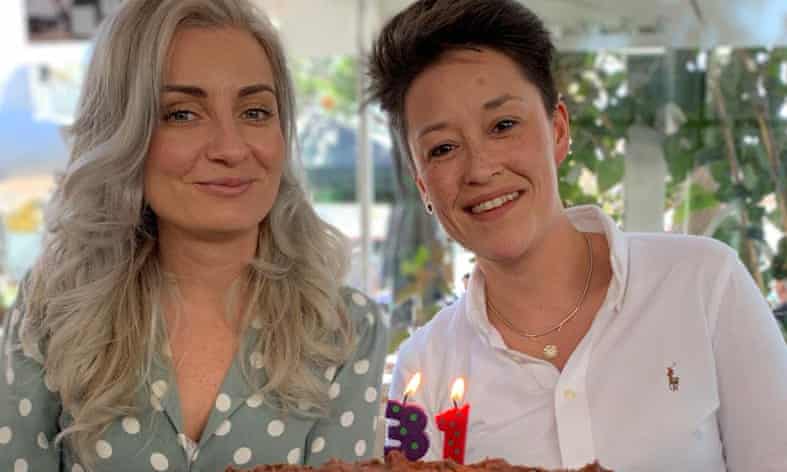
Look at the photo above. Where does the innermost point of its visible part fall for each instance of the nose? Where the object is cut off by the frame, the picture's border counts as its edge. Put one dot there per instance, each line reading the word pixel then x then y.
pixel 228 144
pixel 481 165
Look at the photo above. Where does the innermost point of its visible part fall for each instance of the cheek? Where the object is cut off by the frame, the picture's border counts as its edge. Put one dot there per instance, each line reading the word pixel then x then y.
pixel 169 158
pixel 442 182
pixel 268 149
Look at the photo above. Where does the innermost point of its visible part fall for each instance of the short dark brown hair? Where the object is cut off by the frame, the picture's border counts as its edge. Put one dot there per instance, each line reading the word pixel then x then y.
pixel 418 36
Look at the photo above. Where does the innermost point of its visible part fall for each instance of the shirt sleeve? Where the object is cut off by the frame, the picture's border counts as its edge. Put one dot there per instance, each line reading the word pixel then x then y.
pixel 29 411
pixel 349 432
pixel 751 358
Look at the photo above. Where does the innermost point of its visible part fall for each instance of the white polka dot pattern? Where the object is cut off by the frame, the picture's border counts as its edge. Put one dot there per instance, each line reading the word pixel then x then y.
pixel 294 456
pixel 20 465
pixel 155 403
pixel 160 388
pixel 224 428
pixel 223 402
pixel 347 419
pixel 42 441
pixel 361 367
pixel 360 448
pixel 354 396
pixel 318 444
pixel 159 462
pixel 334 391
pixel 25 407
pixel 242 456
pixel 255 400
pixel 5 435
pixel 103 449
pixel 256 360
pixel 276 428
pixel 371 395
pixel 131 425
pixel 330 373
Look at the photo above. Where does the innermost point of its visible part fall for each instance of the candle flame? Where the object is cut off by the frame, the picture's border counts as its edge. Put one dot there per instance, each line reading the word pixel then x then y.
pixel 412 386
pixel 458 390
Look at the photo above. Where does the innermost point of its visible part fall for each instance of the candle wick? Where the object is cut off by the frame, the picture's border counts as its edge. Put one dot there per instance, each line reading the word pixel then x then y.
pixel 404 402
pixel 455 405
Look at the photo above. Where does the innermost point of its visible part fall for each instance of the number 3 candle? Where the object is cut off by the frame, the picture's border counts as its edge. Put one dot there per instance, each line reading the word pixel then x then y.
pixel 409 424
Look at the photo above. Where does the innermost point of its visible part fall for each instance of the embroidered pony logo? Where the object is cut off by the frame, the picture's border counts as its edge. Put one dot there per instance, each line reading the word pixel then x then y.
pixel 673 380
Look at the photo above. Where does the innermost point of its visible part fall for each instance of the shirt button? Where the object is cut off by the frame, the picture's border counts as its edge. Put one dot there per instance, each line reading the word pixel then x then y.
pixel 569 394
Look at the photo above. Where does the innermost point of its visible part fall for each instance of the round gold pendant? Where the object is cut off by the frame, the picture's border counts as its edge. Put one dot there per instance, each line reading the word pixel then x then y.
pixel 550 351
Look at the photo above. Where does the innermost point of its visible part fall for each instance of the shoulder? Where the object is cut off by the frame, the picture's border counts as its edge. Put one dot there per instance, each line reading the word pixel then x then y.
pixel 365 316
pixel 11 337
pixel 670 249
pixel 429 340
pixel 361 309
pixel 678 243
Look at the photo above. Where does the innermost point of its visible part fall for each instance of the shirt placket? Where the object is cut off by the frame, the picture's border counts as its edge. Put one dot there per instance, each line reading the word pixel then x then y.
pixel 572 410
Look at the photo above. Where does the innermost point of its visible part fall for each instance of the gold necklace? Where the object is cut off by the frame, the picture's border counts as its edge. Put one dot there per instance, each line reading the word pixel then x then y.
pixel 551 351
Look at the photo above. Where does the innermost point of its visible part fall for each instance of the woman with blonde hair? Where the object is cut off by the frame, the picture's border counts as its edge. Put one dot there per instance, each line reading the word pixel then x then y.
pixel 186 312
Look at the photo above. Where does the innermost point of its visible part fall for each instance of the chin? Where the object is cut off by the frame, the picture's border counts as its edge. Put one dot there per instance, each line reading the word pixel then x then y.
pixel 227 226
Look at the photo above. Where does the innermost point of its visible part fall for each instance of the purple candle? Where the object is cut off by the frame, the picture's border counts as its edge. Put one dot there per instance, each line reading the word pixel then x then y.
pixel 409 426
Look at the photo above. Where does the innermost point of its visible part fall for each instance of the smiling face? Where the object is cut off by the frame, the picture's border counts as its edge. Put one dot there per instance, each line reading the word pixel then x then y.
pixel 486 151
pixel 216 157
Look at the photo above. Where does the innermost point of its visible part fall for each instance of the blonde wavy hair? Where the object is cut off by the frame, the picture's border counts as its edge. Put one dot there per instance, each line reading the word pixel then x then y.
pixel 98 278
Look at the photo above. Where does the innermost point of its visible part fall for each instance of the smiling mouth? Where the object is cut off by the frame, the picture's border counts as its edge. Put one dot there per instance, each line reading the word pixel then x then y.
pixel 494 203
pixel 229 188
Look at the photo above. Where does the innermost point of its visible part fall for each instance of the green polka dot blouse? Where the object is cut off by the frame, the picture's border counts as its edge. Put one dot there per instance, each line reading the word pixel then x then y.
pixel 242 429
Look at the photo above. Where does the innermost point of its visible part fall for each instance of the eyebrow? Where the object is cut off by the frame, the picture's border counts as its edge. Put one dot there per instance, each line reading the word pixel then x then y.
pixel 497 102
pixel 431 128
pixel 198 92
pixel 489 105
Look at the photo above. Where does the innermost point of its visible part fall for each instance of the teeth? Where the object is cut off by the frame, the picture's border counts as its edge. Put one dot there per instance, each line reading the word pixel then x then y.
pixel 494 203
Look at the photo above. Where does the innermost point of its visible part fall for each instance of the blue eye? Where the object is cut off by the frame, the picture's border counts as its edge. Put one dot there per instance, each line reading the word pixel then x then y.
pixel 180 115
pixel 256 114
pixel 441 150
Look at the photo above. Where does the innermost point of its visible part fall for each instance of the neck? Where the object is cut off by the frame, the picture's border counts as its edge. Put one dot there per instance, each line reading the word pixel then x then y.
pixel 544 283
pixel 205 269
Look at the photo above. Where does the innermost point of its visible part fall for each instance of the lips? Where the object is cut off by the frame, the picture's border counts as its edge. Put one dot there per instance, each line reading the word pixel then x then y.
pixel 493 201
pixel 225 187
pixel 227 181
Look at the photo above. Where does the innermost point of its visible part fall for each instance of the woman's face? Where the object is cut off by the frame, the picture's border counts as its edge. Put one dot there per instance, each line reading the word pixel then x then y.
pixel 486 151
pixel 215 160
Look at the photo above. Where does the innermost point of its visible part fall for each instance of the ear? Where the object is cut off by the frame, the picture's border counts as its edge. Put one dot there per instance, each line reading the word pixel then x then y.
pixel 562 132
pixel 419 182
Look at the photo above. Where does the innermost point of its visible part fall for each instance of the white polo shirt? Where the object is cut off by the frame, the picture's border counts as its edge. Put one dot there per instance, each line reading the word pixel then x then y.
pixel 679 302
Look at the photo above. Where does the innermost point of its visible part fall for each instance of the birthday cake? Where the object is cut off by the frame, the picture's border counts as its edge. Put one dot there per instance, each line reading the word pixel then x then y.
pixel 396 462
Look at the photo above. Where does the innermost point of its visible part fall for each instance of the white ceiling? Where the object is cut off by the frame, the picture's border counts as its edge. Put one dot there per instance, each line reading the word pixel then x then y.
pixel 318 27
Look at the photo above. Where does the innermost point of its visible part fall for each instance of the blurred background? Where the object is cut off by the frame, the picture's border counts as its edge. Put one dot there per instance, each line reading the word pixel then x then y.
pixel 679 114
